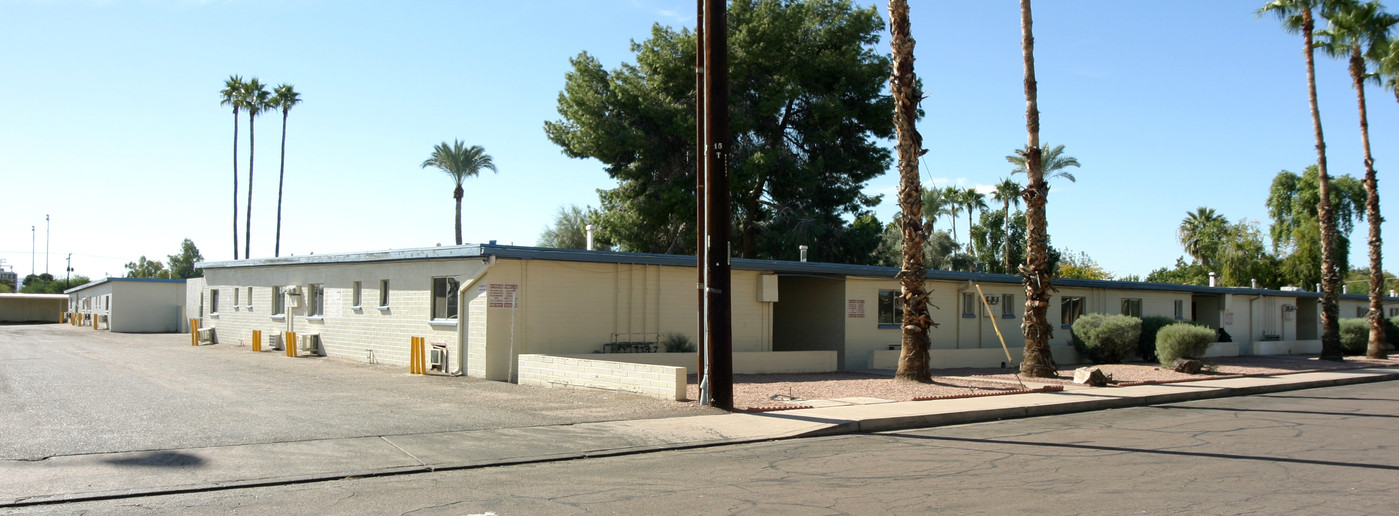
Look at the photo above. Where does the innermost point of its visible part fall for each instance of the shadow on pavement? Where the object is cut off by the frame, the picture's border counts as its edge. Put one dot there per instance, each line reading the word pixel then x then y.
pixel 163 459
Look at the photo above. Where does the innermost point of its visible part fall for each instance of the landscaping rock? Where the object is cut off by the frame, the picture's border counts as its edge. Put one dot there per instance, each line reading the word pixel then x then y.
pixel 1090 376
pixel 1187 366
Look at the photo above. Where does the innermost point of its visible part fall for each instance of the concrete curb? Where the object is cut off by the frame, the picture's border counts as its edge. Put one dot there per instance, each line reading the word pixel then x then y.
pixel 648 436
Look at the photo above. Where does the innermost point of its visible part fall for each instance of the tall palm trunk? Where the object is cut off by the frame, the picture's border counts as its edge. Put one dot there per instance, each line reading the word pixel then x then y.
pixel 1377 346
pixel 913 355
pixel 281 178
pixel 971 241
pixel 248 227
pixel 1038 362
pixel 1330 276
pixel 235 184
pixel 458 194
pixel 1006 235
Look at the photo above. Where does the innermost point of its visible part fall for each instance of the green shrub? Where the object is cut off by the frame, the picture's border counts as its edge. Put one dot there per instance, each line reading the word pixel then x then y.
pixel 677 343
pixel 1106 339
pixel 1355 335
pixel 1182 340
pixel 1146 344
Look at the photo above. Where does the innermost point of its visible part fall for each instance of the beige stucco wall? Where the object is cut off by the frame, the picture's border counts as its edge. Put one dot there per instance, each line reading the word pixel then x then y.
pixel 146 307
pixel 566 308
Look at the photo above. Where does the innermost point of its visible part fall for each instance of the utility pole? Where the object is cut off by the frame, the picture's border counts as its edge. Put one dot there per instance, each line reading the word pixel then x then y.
pixel 719 319
pixel 33 239
pixel 46 244
pixel 69 276
pixel 702 336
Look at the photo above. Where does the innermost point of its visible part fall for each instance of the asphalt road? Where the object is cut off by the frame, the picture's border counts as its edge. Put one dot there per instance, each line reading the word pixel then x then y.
pixel 1320 451
pixel 66 390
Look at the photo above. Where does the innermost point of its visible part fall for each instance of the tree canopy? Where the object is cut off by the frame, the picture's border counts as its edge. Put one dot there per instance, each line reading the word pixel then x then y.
pixel 806 112
pixel 182 264
pixel 569 230
pixel 143 268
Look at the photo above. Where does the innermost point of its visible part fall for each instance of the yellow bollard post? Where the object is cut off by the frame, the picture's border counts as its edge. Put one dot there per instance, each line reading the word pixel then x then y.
pixel 415 359
pixel 94 321
pixel 257 340
pixel 194 332
pixel 290 344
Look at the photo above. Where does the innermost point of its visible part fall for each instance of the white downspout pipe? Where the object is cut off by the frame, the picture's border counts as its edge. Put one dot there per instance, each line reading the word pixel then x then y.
pixel 462 311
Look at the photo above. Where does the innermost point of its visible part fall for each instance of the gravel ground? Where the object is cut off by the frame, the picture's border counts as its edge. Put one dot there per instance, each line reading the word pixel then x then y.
pixel 787 390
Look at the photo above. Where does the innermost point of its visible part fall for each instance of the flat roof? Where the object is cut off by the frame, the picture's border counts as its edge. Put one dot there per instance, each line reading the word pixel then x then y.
pixel 32 296
pixel 95 283
pixel 781 267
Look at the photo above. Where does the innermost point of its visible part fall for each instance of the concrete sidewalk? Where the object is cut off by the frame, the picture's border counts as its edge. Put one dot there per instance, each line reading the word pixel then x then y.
pixel 115 475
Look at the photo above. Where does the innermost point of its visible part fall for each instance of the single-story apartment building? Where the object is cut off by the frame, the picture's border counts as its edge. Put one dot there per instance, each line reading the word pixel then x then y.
pixel 131 305
pixel 485 305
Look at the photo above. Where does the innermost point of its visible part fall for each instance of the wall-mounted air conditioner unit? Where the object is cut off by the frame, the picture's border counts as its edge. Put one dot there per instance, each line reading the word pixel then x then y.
pixel 437 358
pixel 310 343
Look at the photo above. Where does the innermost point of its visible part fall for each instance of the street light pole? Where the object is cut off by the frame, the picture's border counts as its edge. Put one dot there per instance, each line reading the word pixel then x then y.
pixel 33 240
pixel 46 244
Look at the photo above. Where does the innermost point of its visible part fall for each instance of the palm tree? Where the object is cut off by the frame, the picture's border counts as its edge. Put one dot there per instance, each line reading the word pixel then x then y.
pixel 232 96
pixel 973 201
pixel 935 204
pixel 1296 16
pixel 913 354
pixel 1037 361
pixel 1387 61
pixel 283 97
pixel 460 162
pixel 1008 192
pixel 1052 159
pixel 256 100
pixel 1194 231
pixel 953 195
pixel 1358 30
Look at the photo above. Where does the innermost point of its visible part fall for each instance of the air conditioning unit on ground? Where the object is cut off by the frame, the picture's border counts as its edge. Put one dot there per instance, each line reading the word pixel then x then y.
pixel 274 341
pixel 437 358
pixel 310 343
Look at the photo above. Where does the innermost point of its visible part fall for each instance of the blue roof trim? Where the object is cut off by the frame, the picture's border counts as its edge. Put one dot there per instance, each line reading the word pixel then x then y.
pixel 91 284
pixel 775 266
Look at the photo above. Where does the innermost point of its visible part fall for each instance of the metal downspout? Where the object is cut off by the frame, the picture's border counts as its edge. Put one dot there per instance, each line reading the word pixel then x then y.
pixel 462 311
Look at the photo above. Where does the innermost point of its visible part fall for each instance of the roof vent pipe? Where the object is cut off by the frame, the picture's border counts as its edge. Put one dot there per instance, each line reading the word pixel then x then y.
pixel 1345 289
pixel 589 228
pixel 1214 280
pixel 1318 287
pixel 1253 283
pixel 803 250
pixel 1391 293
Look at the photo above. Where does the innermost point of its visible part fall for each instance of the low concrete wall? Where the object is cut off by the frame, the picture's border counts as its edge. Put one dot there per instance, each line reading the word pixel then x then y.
pixel 656 381
pixel 746 362
pixel 1287 347
pixel 980 358
pixel 1222 349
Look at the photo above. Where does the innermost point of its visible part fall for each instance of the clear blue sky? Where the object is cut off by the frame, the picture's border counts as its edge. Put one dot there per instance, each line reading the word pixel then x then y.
pixel 110 118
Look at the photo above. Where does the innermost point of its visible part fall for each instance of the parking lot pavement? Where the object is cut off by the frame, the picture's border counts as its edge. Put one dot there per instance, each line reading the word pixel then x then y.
pixel 67 391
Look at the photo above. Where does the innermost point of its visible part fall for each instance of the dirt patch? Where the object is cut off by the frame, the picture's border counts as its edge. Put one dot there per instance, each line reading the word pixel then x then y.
pixel 753 391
